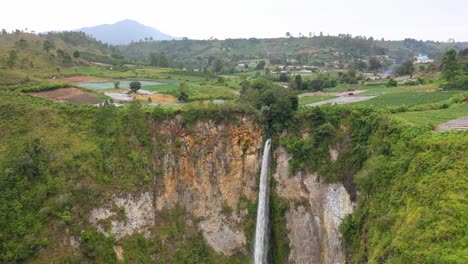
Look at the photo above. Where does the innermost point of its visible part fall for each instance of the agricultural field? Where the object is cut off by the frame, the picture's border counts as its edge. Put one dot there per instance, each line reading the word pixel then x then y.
pixel 69 94
pixel 305 100
pixel 408 99
pixel 210 92
pixel 162 88
pixel 382 90
pixel 434 117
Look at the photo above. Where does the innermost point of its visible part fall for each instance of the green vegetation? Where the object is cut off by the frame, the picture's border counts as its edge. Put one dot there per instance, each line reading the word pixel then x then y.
pixel 434 117
pixel 162 88
pixel 410 182
pixel 58 161
pixel 408 99
pixel 135 86
pixel 455 69
pixel 411 207
pixel 280 242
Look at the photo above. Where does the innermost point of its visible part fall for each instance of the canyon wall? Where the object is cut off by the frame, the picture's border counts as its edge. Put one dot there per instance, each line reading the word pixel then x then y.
pixel 209 170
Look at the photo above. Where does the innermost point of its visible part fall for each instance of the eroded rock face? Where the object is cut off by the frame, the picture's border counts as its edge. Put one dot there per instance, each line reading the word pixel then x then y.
pixel 126 214
pixel 206 169
pixel 313 224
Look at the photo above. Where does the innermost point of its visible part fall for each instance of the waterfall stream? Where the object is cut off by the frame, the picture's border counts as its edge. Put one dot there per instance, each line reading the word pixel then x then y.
pixel 262 227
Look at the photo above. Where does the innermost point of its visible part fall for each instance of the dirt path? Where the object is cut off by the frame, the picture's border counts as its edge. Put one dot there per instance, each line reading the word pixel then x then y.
pixel 343 100
pixel 459 124
pixel 333 94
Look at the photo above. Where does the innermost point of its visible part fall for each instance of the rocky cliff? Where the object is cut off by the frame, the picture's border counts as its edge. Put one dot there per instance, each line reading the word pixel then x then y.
pixel 206 169
pixel 316 210
pixel 209 170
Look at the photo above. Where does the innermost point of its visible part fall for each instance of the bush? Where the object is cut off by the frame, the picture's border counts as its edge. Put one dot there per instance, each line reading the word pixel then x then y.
pixel 392 83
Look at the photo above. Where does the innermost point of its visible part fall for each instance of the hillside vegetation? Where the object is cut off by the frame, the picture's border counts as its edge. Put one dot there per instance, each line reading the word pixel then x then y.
pixel 316 50
pixel 25 56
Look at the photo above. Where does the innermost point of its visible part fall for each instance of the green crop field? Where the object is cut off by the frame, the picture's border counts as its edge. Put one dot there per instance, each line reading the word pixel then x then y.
pixel 314 99
pixel 164 88
pixel 210 92
pixel 408 98
pixel 434 117
pixel 382 90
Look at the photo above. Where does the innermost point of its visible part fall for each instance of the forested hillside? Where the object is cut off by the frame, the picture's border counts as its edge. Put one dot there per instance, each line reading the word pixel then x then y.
pixel 315 50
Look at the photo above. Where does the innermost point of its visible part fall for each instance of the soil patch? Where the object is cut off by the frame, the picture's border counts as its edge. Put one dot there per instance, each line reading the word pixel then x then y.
pixel 157 98
pixel 69 94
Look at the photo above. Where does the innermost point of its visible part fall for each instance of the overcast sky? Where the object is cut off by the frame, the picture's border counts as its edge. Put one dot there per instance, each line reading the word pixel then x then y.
pixel 202 19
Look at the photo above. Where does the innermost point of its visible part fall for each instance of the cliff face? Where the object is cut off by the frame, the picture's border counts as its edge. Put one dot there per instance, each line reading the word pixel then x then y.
pixel 209 170
pixel 206 169
pixel 316 210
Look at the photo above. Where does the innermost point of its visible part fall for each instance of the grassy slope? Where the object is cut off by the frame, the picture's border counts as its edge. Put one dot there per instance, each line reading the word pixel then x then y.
pixel 408 98
pixel 434 117
pixel 35 62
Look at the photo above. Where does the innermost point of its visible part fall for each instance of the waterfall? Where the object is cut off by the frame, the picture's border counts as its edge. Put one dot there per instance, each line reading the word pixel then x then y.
pixel 261 231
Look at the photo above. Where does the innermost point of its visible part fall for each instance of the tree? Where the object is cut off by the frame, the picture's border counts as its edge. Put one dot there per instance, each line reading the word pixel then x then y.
pixel 183 92
pixel 116 84
pixel 135 86
pixel 76 54
pixel 4 32
pixel 260 65
pixel 12 57
pixel 158 59
pixel 217 65
pixel 392 83
pixel 407 68
pixel 48 45
pixel 288 35
pixel 298 81
pixel 463 54
pixel 450 67
pixel 284 77
pixel 22 44
pixel 374 64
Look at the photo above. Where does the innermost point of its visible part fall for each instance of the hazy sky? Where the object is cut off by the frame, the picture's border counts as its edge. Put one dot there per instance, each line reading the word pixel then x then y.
pixel 201 19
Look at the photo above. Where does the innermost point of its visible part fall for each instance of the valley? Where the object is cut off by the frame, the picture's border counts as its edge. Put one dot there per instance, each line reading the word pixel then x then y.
pixel 151 152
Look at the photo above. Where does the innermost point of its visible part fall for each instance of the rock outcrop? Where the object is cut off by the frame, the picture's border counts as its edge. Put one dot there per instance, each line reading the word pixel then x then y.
pixel 316 211
pixel 126 215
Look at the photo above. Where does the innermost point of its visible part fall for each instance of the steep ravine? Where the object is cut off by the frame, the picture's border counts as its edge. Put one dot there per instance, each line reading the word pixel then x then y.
pixel 208 169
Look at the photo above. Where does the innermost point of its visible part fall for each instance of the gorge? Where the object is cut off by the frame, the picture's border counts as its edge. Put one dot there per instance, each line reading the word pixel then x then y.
pixel 182 187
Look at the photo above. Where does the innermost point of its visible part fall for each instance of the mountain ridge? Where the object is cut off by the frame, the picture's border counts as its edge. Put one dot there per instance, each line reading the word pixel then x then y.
pixel 124 32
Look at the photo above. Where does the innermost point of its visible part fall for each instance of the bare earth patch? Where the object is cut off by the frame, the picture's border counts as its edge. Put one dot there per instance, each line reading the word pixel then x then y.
pixel 69 94
pixel 157 98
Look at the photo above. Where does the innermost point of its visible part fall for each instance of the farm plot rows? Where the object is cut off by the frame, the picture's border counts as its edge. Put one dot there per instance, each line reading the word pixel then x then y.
pixel 408 99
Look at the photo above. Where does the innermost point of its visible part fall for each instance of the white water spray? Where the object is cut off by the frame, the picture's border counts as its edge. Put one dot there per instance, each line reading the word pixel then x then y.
pixel 261 231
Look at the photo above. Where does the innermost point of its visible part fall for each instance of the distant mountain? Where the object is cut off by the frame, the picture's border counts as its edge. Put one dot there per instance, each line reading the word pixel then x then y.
pixel 124 32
